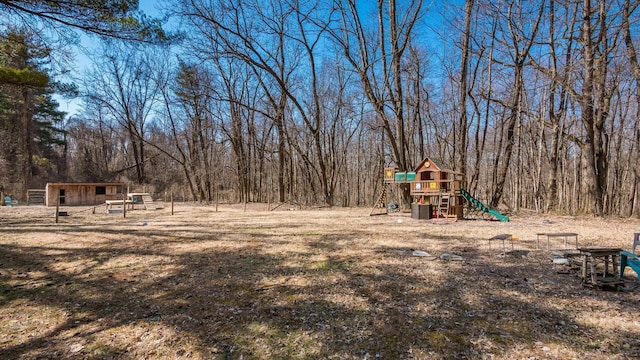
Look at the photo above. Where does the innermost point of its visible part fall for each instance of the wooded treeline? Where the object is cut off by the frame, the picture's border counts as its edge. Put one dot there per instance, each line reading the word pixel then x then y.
pixel 306 101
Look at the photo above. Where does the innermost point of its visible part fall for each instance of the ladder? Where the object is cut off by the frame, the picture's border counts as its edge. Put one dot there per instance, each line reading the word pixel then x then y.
pixel 444 205
pixel 380 207
pixel 148 202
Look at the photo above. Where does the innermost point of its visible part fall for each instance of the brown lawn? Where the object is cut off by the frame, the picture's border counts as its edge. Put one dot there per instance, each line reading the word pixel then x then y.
pixel 317 283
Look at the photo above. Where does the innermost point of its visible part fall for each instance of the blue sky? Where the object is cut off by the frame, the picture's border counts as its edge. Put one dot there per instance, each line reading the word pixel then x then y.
pixel 82 63
pixel 430 24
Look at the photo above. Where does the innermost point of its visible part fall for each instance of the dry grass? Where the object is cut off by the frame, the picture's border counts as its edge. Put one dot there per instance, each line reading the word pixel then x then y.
pixel 333 284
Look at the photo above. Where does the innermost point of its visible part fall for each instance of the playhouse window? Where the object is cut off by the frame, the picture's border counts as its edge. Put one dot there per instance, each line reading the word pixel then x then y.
pixel 101 190
pixel 427 175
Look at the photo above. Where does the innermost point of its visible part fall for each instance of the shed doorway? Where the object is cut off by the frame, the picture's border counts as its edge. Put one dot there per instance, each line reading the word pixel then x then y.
pixel 61 196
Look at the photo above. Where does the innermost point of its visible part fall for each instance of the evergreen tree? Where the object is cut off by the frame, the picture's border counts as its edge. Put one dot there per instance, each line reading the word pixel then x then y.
pixel 111 18
pixel 29 119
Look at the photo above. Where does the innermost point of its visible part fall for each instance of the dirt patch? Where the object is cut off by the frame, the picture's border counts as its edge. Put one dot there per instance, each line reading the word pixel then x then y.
pixel 321 283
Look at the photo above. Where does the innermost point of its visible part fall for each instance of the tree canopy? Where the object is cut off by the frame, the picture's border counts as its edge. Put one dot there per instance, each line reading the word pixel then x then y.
pixel 112 18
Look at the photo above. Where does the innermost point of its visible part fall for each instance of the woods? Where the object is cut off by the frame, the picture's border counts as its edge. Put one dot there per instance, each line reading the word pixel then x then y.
pixel 307 101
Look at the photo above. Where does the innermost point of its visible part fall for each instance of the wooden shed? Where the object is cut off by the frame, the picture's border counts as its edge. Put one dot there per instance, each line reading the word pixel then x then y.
pixel 79 194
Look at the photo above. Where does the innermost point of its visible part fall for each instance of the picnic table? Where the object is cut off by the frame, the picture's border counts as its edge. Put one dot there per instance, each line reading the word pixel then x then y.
pixel 110 203
pixel 590 259
pixel 564 235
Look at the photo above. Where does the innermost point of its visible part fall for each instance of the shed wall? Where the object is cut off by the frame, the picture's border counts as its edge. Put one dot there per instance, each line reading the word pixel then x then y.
pixel 81 194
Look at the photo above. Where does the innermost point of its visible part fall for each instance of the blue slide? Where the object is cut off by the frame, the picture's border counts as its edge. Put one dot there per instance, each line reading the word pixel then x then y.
pixel 480 206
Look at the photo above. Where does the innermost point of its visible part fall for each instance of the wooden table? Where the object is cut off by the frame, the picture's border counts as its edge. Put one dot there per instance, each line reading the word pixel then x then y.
pixel 502 237
pixel 590 257
pixel 551 235
pixel 110 203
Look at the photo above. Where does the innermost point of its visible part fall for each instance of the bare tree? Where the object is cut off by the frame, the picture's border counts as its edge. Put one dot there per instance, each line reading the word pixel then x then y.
pixel 595 97
pixel 628 9
pixel 461 149
pixel 521 41
pixel 194 101
pixel 122 84
pixel 378 64
pixel 93 148
pixel 558 98
pixel 254 34
pixel 533 103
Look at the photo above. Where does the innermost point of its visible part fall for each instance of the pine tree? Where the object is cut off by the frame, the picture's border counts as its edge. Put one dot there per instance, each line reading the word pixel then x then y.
pixel 29 118
pixel 110 18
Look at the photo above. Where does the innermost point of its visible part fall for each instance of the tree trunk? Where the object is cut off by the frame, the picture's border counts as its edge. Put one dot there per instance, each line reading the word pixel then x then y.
pixel 461 150
pixel 27 150
pixel 590 120
pixel 512 120
pixel 634 207
pixel 520 55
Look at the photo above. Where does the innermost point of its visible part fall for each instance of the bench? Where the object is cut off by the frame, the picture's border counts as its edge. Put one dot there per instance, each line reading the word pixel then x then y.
pixel 552 235
pixel 503 238
pixel 631 260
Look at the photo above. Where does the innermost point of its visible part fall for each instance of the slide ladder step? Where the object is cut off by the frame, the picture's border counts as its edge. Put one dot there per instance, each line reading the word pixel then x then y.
pixel 380 207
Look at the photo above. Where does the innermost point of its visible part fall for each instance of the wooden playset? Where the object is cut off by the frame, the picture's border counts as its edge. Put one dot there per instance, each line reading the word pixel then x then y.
pixel 436 192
